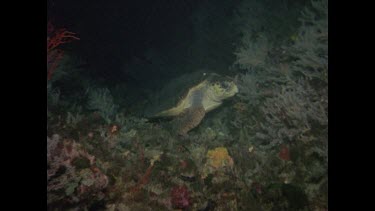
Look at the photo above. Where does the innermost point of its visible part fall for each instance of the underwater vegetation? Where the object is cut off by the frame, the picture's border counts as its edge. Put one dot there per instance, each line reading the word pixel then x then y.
pixel 263 148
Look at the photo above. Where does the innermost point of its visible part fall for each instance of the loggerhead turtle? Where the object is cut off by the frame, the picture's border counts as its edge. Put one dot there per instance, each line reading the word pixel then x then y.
pixel 197 100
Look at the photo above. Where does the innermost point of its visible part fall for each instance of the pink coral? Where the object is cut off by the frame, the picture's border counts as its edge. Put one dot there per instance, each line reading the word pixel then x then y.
pixel 284 153
pixel 180 197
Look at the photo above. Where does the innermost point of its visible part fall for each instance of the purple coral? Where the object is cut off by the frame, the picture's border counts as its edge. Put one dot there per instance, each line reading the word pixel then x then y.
pixel 180 197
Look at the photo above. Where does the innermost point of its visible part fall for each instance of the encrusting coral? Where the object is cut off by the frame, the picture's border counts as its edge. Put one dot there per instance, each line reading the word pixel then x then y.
pixel 218 158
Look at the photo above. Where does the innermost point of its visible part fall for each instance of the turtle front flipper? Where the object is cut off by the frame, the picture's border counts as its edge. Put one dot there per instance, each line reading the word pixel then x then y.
pixel 189 119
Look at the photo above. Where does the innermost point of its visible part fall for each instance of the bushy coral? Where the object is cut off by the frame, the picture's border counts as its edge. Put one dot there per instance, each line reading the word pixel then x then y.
pixel 310 48
pixel 283 103
pixel 262 30
pixel 290 97
pixel 293 114
pixel 102 101
pixel 252 53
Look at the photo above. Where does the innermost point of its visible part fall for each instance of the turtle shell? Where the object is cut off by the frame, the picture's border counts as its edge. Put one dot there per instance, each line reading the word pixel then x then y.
pixel 177 89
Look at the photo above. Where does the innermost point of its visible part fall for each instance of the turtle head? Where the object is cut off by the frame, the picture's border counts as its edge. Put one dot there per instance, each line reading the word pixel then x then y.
pixel 223 89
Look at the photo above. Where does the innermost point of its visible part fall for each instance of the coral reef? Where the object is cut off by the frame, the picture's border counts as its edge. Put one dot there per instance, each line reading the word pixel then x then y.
pixel 72 170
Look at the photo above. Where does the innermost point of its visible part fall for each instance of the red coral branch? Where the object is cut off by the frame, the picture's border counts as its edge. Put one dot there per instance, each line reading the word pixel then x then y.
pixel 60 36
pixel 56 37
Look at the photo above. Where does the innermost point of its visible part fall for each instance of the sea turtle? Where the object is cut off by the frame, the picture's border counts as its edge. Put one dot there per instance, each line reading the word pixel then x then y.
pixel 205 94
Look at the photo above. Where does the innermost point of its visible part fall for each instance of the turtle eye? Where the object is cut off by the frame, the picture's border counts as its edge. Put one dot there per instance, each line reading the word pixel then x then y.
pixel 225 85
